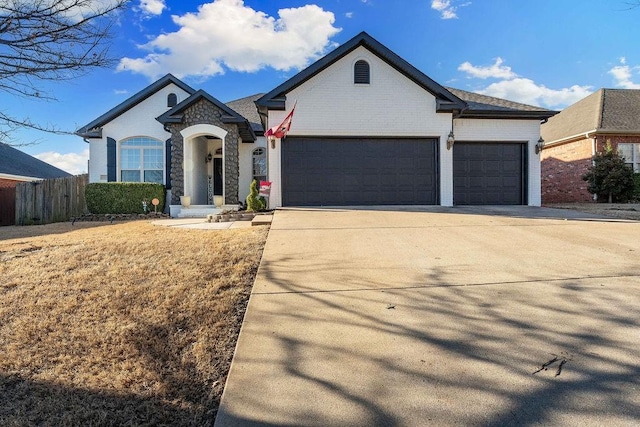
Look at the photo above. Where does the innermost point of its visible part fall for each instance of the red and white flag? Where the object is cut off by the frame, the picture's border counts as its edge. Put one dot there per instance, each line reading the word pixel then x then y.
pixel 281 130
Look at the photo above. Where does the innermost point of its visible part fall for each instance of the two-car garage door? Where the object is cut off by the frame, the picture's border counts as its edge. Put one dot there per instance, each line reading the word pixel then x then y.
pixel 397 171
pixel 359 171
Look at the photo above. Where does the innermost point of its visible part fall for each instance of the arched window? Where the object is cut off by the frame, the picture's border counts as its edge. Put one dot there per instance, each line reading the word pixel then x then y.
pixel 142 160
pixel 259 165
pixel 361 72
pixel 172 100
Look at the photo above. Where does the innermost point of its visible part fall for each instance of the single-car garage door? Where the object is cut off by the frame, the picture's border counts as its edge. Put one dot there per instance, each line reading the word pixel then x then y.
pixel 357 171
pixel 489 173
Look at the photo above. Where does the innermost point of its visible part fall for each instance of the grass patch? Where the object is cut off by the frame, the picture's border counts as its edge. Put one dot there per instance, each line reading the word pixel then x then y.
pixel 123 324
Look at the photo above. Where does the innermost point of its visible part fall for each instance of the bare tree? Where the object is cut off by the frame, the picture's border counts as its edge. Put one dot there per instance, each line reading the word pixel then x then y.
pixel 50 40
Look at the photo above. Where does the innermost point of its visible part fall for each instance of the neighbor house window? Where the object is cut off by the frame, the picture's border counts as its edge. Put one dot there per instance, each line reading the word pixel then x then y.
pixel 172 100
pixel 361 72
pixel 141 160
pixel 259 164
pixel 631 154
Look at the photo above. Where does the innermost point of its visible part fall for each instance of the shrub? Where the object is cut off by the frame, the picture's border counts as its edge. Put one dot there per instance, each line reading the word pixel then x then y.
pixel 254 203
pixel 123 197
pixel 609 177
pixel 636 186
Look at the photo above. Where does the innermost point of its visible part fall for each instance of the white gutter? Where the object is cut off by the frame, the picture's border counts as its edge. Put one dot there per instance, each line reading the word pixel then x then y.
pixel 593 131
pixel 19 177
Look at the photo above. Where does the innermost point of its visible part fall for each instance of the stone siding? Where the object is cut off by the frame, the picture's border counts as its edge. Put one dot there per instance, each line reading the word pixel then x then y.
pixel 203 112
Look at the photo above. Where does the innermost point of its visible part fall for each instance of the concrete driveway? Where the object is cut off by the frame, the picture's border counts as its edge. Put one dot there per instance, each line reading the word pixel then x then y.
pixel 441 317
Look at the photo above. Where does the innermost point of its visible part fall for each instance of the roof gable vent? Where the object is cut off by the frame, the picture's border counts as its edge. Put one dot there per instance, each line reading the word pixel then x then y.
pixel 361 73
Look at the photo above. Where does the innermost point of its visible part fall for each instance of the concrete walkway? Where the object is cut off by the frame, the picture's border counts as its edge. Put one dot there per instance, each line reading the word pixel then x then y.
pixel 441 317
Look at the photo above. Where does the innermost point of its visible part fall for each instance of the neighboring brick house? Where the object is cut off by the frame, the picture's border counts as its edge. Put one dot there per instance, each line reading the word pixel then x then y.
pixel 573 136
pixel 17 166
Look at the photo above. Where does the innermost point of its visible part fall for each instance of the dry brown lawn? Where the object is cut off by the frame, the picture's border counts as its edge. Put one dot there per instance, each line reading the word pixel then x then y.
pixel 120 324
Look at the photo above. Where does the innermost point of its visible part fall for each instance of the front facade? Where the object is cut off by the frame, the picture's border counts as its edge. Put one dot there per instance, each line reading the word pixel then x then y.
pixel 185 139
pixel 575 135
pixel 368 129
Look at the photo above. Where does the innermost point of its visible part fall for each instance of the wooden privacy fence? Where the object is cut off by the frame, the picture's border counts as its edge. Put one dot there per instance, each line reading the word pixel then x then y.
pixel 7 205
pixel 51 200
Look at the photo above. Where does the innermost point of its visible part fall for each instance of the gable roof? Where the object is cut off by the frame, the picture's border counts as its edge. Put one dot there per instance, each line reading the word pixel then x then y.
pixel 463 103
pixel 606 111
pixel 446 101
pixel 93 128
pixel 16 162
pixel 479 106
pixel 176 114
pixel 247 108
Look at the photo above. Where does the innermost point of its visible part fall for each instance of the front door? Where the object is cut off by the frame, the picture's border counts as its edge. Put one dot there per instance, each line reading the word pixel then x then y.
pixel 217 176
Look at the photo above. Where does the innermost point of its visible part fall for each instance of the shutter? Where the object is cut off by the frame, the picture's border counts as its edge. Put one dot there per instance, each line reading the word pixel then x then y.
pixel 361 72
pixel 167 167
pixel 111 160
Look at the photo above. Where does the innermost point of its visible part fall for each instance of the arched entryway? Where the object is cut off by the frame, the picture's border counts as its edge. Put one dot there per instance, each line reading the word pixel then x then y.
pixel 203 167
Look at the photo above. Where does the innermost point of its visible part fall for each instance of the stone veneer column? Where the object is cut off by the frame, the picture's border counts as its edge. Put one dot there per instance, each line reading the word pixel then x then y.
pixel 203 112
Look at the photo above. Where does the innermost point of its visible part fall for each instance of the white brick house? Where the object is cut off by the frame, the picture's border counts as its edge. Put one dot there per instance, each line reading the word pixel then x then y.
pixel 368 129
pixel 185 139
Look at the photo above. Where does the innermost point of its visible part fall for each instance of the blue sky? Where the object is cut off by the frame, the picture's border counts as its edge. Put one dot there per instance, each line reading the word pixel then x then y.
pixel 544 52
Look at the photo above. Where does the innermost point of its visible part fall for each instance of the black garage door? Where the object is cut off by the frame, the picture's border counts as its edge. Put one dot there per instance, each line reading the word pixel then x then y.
pixel 352 172
pixel 489 173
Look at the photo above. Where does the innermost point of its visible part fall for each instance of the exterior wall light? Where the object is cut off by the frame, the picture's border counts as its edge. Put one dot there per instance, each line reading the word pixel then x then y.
pixel 539 145
pixel 450 140
pixel 208 158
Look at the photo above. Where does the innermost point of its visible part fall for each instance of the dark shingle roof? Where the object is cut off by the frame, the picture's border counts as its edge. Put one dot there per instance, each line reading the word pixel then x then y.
pixel 446 100
pixel 176 114
pixel 246 107
pixel 15 162
pixel 478 102
pixel 604 111
pixel 92 129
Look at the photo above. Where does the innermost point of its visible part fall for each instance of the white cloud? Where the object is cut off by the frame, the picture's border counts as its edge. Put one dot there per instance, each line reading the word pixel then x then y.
pixel 152 7
pixel 120 91
pixel 528 92
pixel 623 74
pixel 496 71
pixel 520 89
pixel 74 163
pixel 446 9
pixel 348 15
pixel 226 33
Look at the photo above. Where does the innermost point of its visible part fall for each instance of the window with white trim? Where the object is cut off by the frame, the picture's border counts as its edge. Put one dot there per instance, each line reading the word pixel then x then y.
pixel 259 164
pixel 142 160
pixel 631 154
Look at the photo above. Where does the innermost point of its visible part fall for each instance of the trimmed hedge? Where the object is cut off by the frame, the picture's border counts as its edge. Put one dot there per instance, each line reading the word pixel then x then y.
pixel 123 197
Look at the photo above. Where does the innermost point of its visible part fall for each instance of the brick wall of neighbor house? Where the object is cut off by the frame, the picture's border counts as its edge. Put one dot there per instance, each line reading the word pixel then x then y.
pixel 561 172
pixel 564 165
pixel 203 112
pixel 7 183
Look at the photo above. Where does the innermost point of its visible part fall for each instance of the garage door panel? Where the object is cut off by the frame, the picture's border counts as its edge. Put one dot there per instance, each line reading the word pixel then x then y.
pixel 359 171
pixel 488 173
